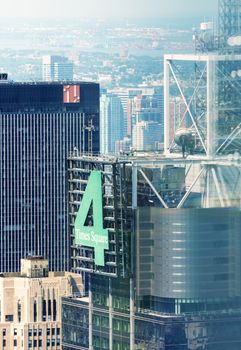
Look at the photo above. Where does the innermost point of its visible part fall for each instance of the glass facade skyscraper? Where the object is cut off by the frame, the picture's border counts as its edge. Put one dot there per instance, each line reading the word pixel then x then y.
pixel 39 125
pixel 111 123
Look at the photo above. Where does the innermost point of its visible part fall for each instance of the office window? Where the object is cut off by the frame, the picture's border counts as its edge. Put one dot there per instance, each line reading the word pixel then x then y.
pixel 44 310
pixel 54 310
pixel 49 310
pixel 15 343
pixel 19 311
pixel 35 311
pixel 8 318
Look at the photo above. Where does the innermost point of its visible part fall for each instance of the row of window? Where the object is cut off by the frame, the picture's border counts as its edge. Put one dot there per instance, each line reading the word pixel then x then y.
pixel 49 331
pixel 39 343
pixel 35 332
pixel 34 343
pixel 121 326
pixel 103 343
pixel 15 343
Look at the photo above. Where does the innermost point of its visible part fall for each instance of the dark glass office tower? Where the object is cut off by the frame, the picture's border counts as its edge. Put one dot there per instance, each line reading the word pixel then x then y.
pixel 40 124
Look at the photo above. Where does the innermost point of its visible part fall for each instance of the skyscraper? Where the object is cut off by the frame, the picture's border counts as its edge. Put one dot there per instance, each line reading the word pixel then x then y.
pixel 147 120
pixel 111 122
pixel 39 125
pixel 141 103
pixel 163 256
pixel 147 136
pixel 57 68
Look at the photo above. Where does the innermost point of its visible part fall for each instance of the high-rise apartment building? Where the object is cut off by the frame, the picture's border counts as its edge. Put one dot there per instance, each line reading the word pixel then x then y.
pixel 147 120
pixel 111 123
pixel 138 104
pixel 57 68
pixel 40 124
pixel 148 106
pixel 147 136
pixel 126 96
pixel 31 305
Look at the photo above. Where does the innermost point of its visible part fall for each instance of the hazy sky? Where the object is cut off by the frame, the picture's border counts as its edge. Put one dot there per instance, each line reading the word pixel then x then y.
pixel 107 8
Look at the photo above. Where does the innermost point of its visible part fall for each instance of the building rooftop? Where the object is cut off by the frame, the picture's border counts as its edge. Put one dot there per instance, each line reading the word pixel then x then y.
pixel 67 82
pixel 35 257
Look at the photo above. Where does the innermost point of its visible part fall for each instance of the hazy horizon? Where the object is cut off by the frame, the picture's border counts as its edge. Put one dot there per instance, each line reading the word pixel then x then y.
pixel 107 9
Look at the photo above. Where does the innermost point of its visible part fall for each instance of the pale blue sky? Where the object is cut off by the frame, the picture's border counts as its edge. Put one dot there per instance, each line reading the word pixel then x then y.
pixel 107 8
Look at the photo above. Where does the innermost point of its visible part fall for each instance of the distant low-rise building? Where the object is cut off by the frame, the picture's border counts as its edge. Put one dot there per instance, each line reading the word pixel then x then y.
pixel 30 305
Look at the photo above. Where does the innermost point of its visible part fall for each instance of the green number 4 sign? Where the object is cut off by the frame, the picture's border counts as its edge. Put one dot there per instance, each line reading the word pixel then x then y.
pixel 92 236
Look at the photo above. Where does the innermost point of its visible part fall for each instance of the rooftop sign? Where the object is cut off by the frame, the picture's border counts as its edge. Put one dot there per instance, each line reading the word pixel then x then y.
pixel 94 236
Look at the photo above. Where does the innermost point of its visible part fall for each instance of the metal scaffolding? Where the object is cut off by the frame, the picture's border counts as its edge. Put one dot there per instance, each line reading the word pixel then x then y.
pixel 212 107
pixel 117 218
pixel 229 25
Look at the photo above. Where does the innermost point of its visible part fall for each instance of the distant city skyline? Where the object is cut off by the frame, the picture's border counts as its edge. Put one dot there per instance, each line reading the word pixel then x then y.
pixel 108 8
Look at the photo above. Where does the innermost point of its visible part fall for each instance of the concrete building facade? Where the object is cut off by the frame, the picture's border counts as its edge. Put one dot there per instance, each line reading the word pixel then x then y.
pixel 30 304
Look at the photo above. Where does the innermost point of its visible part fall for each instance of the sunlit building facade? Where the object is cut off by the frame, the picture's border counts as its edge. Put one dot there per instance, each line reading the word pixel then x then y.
pixel 31 305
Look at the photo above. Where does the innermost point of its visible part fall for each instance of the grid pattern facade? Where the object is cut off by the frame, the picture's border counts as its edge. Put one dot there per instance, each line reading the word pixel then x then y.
pixel 37 132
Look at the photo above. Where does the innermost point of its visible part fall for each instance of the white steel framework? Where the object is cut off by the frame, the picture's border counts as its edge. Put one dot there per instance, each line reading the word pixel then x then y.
pixel 210 87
